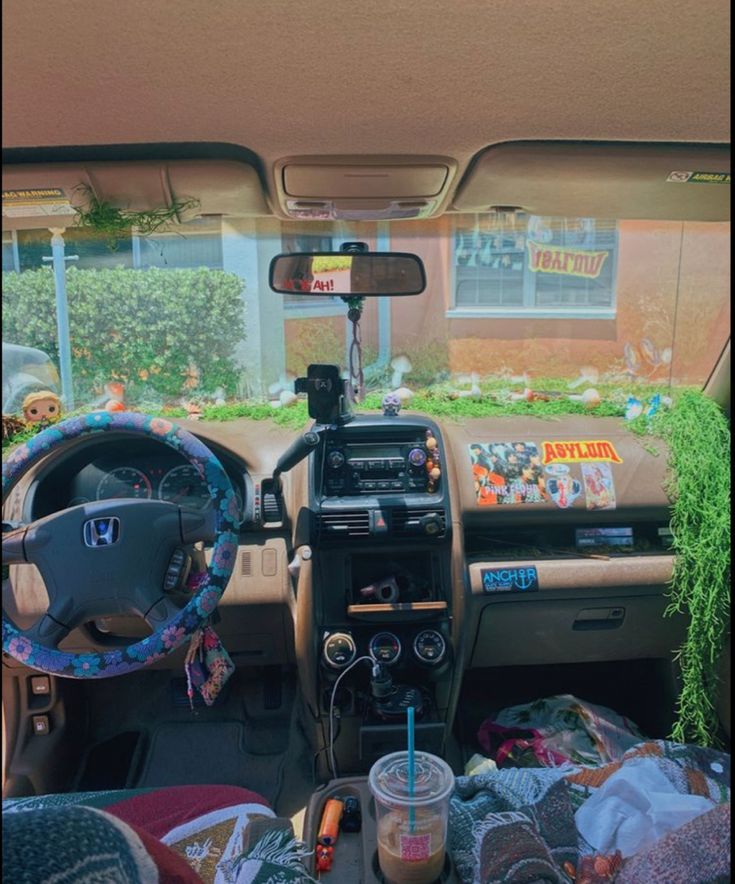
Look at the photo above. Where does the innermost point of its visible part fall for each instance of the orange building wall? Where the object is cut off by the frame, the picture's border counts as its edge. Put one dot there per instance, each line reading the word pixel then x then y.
pixel 656 260
pixel 649 274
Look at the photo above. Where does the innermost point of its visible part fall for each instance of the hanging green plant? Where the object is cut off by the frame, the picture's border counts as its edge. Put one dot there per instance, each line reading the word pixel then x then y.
pixel 115 223
pixel 698 435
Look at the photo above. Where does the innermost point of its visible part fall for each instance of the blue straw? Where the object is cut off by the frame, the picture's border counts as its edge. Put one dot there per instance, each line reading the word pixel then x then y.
pixel 411 770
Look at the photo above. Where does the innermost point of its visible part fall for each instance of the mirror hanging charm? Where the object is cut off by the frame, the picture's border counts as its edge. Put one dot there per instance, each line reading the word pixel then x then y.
pixel 357 377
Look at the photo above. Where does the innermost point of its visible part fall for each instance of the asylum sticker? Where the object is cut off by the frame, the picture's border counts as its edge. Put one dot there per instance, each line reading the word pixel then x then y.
pixel 582 451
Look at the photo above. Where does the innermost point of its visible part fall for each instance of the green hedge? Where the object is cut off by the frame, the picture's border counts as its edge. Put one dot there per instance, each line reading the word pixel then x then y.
pixel 142 327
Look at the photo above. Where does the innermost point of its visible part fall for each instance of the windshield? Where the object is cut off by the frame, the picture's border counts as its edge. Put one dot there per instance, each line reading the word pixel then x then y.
pixel 578 310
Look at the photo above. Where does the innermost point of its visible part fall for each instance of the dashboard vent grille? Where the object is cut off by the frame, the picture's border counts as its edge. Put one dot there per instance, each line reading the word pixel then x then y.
pixel 408 522
pixel 354 524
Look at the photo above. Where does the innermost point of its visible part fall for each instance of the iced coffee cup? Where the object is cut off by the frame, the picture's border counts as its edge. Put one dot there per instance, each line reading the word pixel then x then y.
pixel 412 828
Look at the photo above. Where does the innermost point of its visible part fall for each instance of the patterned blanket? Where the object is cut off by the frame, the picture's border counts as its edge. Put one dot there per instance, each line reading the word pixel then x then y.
pixel 522 825
pixel 176 835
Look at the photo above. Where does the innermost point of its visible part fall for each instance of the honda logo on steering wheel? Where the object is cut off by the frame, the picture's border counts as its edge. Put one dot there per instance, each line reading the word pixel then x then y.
pixel 102 532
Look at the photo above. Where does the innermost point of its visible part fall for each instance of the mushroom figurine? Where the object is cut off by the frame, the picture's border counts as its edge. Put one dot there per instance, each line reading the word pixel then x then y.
pixel 587 374
pixel 474 393
pixel 590 398
pixel 404 395
pixel 401 365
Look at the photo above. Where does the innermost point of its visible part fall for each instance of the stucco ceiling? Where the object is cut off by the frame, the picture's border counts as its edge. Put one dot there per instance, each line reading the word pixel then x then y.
pixel 293 77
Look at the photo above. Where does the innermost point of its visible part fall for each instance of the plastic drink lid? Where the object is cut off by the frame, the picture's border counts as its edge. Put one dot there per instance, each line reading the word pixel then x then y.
pixel 388 779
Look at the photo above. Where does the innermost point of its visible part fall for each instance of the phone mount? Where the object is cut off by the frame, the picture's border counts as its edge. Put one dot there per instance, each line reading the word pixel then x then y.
pixel 327 394
pixel 329 405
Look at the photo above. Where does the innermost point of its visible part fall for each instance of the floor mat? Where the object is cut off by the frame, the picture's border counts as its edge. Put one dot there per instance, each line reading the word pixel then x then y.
pixel 209 752
pixel 107 764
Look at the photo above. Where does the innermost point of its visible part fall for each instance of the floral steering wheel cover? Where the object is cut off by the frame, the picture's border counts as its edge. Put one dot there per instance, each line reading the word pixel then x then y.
pixel 209 590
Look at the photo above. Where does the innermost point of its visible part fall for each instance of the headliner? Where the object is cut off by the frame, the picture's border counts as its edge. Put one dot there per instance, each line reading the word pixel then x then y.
pixel 318 77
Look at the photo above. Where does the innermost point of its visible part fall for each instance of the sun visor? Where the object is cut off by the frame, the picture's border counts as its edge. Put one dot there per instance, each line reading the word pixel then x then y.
pixel 673 182
pixel 44 195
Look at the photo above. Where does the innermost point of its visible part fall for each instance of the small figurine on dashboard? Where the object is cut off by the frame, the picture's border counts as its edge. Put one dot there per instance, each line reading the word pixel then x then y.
pixel 391 404
pixel 42 407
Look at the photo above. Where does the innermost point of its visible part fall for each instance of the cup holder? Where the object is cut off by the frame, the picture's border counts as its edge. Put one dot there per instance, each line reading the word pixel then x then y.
pixel 444 878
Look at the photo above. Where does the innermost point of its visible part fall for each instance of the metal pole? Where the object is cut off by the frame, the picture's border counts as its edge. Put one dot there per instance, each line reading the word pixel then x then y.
pixel 62 315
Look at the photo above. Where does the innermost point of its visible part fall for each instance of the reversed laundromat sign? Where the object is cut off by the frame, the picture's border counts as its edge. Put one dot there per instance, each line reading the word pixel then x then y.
pixel 33 202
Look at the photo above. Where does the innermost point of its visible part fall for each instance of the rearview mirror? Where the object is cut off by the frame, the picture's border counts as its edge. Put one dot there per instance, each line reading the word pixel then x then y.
pixel 363 274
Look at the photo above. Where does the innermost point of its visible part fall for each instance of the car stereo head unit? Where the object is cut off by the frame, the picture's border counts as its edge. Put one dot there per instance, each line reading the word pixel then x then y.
pixel 402 467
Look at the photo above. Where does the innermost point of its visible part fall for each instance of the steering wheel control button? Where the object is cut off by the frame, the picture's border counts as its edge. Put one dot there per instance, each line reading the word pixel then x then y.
pixel 40 685
pixel 430 646
pixel 385 648
pixel 178 568
pixel 339 650
pixel 41 725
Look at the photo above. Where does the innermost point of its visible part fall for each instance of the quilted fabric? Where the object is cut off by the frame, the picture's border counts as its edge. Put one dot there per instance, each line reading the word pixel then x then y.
pixel 202 604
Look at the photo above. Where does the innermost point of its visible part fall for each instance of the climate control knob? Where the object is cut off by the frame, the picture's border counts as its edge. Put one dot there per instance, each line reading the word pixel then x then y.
pixel 430 646
pixel 339 650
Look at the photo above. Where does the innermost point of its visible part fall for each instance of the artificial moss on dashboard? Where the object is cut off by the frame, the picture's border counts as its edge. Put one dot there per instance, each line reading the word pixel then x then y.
pixel 698 438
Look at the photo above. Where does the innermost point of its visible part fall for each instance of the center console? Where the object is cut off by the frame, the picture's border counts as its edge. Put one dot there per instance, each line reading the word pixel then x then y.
pixel 355 852
pixel 378 531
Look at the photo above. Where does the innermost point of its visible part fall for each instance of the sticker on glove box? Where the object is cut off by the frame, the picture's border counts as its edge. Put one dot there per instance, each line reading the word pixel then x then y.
pixel 599 488
pixel 579 452
pixel 564 490
pixel 507 472
pixel 509 579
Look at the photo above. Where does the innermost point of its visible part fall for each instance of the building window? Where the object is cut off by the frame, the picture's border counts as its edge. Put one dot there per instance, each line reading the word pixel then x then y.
pixel 532 266
pixel 11 260
pixel 92 249
pixel 309 242
pixel 197 244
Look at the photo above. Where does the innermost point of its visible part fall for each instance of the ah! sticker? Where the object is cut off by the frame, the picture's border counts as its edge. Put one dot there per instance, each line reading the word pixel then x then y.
pixel 509 579
pixel 507 473
pixel 580 452
pixel 599 488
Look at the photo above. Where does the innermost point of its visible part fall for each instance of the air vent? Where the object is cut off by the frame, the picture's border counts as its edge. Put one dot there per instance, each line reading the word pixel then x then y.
pixel 354 524
pixel 411 522
pixel 246 564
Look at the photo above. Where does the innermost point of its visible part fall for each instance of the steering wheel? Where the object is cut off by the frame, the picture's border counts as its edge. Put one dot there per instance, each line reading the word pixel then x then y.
pixel 114 556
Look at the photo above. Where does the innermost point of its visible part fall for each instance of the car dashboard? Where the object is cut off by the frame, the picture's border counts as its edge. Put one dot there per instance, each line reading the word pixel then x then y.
pixel 394 542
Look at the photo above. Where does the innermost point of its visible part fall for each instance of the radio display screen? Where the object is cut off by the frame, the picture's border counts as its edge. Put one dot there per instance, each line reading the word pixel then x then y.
pixel 373 452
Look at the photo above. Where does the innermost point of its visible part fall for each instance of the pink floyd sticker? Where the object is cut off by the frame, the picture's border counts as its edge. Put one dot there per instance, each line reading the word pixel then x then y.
pixel 563 490
pixel 599 488
pixel 507 473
